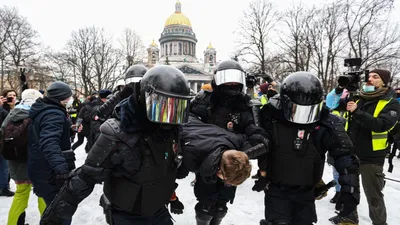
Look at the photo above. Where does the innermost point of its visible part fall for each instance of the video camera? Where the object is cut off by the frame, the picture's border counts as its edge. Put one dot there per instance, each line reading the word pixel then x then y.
pixel 352 77
pixel 254 78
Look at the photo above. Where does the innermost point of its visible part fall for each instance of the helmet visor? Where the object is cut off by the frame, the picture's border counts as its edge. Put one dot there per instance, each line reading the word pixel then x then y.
pixel 161 108
pixel 132 80
pixel 229 76
pixel 301 114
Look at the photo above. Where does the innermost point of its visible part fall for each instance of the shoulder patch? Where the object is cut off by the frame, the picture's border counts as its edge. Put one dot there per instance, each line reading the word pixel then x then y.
pixel 393 113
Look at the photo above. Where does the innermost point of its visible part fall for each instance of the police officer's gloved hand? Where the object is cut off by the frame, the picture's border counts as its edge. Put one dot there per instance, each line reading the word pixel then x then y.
pixel 260 184
pixel 60 179
pixel 346 204
pixel 126 91
pixel 176 206
pixel 49 217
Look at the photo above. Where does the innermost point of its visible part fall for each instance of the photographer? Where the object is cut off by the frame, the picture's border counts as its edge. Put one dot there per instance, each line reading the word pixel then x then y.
pixel 370 118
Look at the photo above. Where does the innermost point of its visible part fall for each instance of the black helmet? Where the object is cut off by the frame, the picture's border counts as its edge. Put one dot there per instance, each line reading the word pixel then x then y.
pixel 301 95
pixel 135 73
pixel 228 72
pixel 167 95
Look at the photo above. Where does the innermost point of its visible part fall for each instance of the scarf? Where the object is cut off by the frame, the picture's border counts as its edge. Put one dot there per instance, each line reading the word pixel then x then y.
pixel 375 94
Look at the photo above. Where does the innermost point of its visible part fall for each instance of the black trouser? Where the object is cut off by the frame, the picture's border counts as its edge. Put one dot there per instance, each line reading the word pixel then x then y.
pixel 162 217
pixel 212 199
pixel 290 205
pixel 81 137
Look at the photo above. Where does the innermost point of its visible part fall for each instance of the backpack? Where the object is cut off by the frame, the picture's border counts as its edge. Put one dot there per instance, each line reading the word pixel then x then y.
pixel 14 140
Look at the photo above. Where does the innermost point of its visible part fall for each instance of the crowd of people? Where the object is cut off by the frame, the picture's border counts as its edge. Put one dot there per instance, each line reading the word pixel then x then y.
pixel 150 131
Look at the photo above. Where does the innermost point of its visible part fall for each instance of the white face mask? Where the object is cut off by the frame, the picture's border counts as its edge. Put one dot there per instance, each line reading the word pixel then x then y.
pixel 368 88
pixel 66 101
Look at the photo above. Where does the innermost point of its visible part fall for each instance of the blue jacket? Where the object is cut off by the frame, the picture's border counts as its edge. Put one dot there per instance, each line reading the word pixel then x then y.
pixel 51 126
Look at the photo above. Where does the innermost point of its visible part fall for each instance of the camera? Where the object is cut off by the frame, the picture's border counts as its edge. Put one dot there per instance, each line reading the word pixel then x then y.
pixel 352 77
pixel 10 99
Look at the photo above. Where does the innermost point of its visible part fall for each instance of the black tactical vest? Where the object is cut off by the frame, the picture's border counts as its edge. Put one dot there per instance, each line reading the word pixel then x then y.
pixel 150 188
pixel 294 158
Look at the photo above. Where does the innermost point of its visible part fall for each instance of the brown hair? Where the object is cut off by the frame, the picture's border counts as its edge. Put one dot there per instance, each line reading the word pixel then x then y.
pixel 235 167
pixel 5 92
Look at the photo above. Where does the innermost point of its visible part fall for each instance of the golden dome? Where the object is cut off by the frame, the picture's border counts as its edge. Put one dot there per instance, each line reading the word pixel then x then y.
pixel 153 44
pixel 210 46
pixel 178 18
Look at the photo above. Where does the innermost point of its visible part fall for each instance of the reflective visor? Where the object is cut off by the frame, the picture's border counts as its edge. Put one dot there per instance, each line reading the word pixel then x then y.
pixel 132 79
pixel 161 108
pixel 302 114
pixel 229 76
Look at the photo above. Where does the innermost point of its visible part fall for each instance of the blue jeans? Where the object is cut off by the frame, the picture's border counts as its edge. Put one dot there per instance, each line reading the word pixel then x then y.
pixel 336 178
pixel 4 173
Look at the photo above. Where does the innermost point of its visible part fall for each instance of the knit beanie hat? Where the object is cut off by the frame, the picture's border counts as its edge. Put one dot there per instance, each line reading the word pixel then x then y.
pixel 264 88
pixel 29 96
pixel 383 74
pixel 59 91
pixel 104 93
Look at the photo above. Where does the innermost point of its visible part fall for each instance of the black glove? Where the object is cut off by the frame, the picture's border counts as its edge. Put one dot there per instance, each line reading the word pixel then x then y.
pixel 256 139
pixel 346 204
pixel 176 206
pixel 260 184
pixel 126 91
pixel 60 179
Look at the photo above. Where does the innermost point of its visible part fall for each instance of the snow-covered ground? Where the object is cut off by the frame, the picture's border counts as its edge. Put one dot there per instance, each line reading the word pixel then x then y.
pixel 247 209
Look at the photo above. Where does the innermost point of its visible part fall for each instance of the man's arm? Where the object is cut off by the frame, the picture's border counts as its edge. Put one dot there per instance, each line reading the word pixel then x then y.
pixel 339 145
pixel 80 184
pixel 386 119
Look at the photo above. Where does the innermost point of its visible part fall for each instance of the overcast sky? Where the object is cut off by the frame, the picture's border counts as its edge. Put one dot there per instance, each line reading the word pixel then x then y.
pixel 212 20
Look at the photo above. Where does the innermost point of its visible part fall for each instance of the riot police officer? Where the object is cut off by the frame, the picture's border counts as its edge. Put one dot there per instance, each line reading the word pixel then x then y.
pixel 227 107
pixel 301 132
pixel 132 76
pixel 134 155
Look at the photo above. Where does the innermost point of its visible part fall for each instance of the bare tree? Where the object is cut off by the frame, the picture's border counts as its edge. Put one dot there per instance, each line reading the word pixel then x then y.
pixel 372 37
pixel 327 34
pixel 258 20
pixel 132 47
pixel 294 39
pixel 81 50
pixel 60 65
pixel 105 61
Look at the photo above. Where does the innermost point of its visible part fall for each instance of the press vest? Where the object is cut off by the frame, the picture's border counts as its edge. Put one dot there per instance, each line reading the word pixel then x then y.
pixel 303 167
pixel 148 190
pixel 379 140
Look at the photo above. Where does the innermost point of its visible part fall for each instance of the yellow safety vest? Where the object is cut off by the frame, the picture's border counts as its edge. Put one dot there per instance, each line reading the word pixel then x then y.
pixel 340 113
pixel 379 140
pixel 264 100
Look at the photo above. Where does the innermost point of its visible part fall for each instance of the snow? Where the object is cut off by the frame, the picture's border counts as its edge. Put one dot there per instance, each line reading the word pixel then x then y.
pixel 247 209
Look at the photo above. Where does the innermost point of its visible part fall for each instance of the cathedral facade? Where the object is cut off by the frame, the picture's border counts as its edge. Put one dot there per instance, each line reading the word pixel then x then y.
pixel 178 48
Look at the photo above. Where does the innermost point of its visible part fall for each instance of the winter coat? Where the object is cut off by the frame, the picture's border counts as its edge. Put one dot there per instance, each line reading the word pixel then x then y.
pixel 17 169
pixel 48 136
pixel 203 145
pixel 362 123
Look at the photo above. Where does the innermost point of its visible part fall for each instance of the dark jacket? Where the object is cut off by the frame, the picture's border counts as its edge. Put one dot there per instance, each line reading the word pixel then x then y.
pixel 85 114
pixel 362 122
pixel 48 136
pixel 203 145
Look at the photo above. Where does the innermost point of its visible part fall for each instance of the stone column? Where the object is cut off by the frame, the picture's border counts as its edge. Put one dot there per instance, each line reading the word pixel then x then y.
pixel 195 87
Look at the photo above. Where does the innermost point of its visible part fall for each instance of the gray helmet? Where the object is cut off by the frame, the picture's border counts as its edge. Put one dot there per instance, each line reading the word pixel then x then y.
pixel 135 73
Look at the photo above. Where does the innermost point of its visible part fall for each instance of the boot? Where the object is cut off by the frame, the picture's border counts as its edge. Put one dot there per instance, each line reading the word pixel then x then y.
pixel 263 222
pixel 6 192
pixel 193 183
pixel 351 219
pixel 334 199
pixel 220 213
pixel 203 218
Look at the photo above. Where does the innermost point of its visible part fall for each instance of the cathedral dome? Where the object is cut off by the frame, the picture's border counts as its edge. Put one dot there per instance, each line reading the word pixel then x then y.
pixel 178 18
